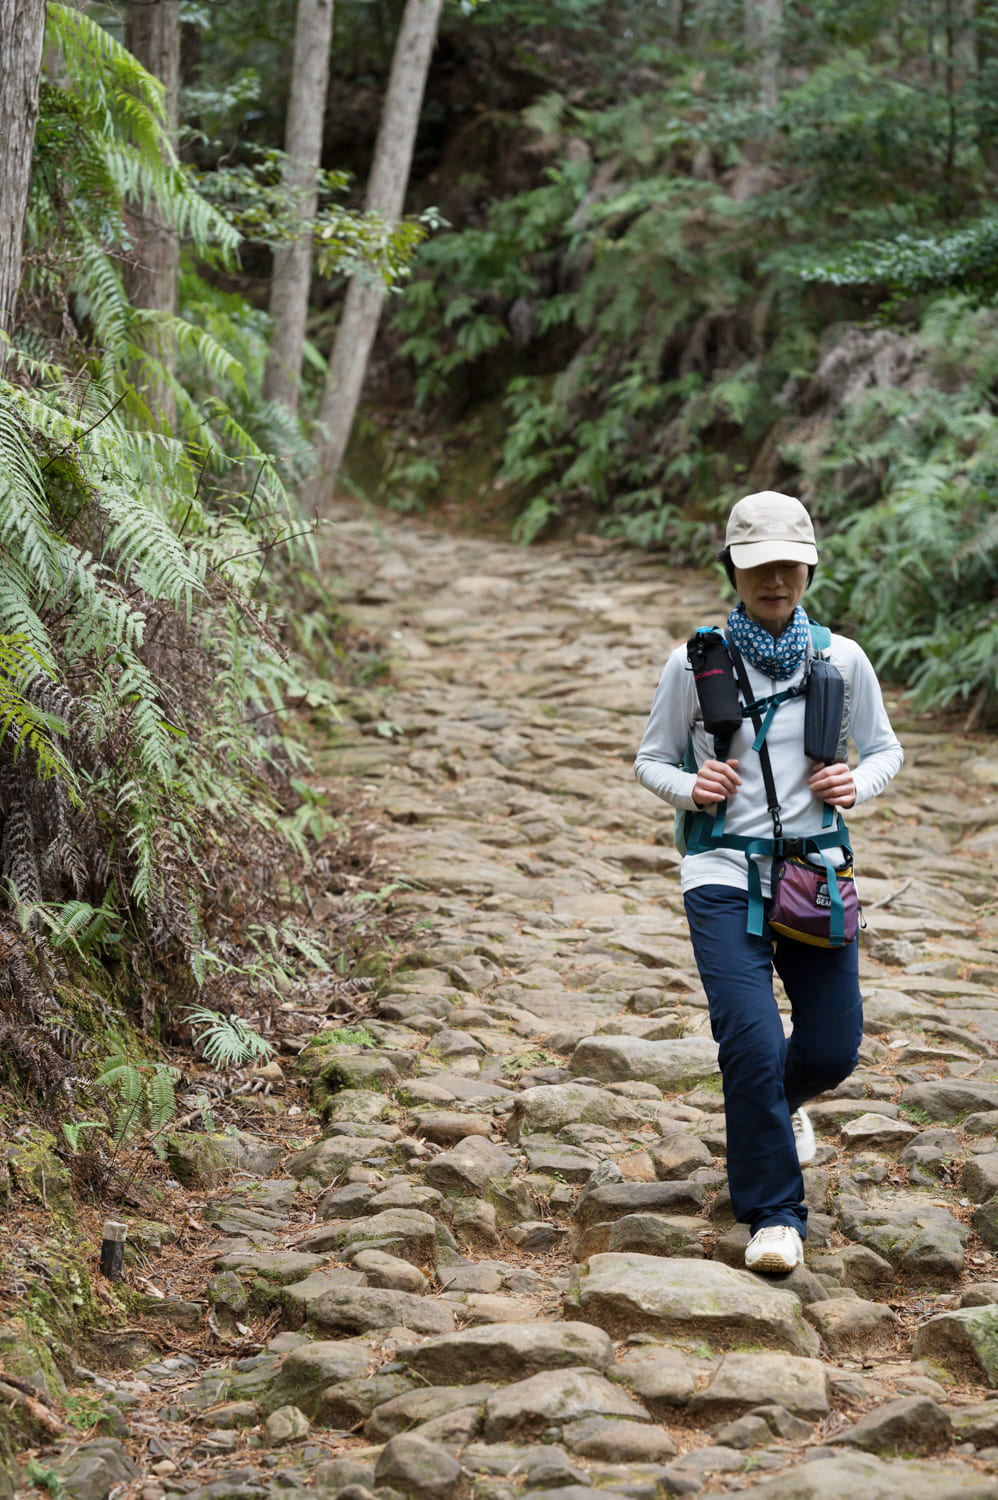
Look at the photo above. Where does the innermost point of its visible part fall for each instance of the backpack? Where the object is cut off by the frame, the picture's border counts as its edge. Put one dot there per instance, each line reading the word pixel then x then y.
pixel 696 832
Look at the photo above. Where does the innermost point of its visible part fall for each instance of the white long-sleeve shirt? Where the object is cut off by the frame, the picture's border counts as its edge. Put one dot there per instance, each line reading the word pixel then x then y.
pixel 675 716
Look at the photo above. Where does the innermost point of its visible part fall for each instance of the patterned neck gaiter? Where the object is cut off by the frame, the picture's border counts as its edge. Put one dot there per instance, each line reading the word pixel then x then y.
pixel 779 658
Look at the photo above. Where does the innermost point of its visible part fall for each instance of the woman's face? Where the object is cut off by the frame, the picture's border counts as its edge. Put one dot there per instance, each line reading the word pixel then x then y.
pixel 772 592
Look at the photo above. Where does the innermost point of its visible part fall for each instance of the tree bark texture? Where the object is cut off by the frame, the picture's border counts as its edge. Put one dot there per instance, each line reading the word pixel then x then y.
pixel 152 34
pixel 385 194
pixel 291 277
pixel 22 34
pixel 763 23
pixel 966 39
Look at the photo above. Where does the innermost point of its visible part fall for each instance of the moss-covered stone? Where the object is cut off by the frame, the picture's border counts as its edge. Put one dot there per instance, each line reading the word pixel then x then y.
pixel 34 1171
pixel 20 1356
pixel 359 1107
pixel 198 1160
pixel 356 1068
pixel 964 1341
pixel 149 1235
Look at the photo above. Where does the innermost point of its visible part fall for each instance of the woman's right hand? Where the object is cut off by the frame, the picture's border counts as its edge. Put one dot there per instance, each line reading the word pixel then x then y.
pixel 716 780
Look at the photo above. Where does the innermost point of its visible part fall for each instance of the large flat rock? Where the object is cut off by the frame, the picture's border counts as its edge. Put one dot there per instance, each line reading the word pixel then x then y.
pixel 311 1369
pixel 508 1351
pixel 862 1475
pixel 553 1399
pixel 742 1381
pixel 678 1063
pixel 550 1107
pixel 365 1309
pixel 411 1234
pixel 627 1293
pixel 911 1230
pixel 606 1204
pixel 948 1099
pixel 469 1166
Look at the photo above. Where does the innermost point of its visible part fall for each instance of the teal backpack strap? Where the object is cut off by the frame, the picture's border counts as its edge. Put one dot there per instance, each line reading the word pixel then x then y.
pixel 821 636
pixel 833 831
pixel 686 820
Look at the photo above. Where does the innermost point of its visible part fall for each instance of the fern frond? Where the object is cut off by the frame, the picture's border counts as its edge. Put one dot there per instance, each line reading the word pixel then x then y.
pixel 162 1097
pixel 226 1041
pixel 109 76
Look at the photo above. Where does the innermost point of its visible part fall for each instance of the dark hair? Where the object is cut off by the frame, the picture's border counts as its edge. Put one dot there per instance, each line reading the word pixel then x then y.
pixel 723 556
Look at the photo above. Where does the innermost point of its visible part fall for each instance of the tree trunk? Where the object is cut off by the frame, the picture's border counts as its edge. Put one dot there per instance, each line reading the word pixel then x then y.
pixel 385 194
pixel 291 276
pixel 986 85
pixel 676 12
pixel 22 33
pixel 152 34
pixel 966 37
pixel 763 21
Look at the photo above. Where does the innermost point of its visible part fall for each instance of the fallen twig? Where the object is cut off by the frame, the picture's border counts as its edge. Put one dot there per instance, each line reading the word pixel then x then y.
pixel 888 899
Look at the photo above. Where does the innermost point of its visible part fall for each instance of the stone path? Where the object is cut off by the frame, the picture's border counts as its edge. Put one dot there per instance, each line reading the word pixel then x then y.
pixel 505 1261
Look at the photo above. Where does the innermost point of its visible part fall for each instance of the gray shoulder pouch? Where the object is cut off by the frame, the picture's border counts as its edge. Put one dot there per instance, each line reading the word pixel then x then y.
pixel 823 710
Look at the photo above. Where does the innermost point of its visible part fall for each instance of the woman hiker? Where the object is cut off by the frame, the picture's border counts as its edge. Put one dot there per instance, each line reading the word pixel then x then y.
pixel 770 557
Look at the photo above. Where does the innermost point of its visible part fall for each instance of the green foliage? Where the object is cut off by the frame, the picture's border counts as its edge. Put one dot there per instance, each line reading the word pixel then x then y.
pixel 225 1041
pixel 849 125
pixel 44 1477
pixel 256 200
pixel 657 311
pixel 146 814
pixel 591 435
pixel 72 1130
pixel 101 139
pixel 146 1098
pixel 22 723
pixel 964 258
pixel 912 568
pixel 346 1036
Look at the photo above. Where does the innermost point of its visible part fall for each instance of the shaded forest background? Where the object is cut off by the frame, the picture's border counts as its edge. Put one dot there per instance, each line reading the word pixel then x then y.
pixel 688 250
pixel 653 254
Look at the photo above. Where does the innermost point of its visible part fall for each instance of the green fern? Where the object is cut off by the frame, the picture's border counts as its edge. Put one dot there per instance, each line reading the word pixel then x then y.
pixel 225 1041
pixel 142 667
pixel 146 1094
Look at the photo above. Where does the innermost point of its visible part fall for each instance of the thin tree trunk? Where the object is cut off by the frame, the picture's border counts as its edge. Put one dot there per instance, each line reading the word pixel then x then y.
pixel 291 276
pixel 966 41
pixel 22 34
pixel 763 26
pixel 385 194
pixel 676 12
pixel 985 92
pixel 152 34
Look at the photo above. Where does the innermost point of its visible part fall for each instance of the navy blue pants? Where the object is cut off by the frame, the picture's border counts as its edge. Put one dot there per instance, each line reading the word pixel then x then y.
pixel 765 1075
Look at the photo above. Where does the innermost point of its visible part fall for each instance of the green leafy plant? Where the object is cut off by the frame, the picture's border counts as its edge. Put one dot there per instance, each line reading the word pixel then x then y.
pixel 44 1477
pixel 225 1041
pixel 347 1036
pixel 913 568
pixel 72 1129
pixel 146 1094
pixel 142 666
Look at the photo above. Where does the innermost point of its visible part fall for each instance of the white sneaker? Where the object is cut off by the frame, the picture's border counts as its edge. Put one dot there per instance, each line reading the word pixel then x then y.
pixel 803 1137
pixel 776 1248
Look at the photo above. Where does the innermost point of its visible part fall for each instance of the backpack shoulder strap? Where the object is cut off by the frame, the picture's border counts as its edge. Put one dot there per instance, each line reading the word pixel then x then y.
pixel 821 640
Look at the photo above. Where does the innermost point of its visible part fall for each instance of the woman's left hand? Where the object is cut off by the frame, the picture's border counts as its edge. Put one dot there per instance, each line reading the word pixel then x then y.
pixel 833 784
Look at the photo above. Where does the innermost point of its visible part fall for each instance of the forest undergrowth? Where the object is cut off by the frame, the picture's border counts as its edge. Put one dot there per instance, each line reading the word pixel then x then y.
pixel 175 887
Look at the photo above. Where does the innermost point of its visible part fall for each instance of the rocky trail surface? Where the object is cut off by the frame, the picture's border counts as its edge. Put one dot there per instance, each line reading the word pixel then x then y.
pixel 500 1258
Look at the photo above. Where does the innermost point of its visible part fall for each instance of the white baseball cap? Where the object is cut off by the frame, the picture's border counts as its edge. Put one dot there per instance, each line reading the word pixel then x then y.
pixel 769 527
